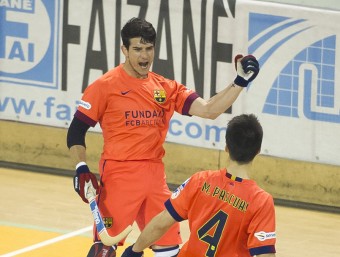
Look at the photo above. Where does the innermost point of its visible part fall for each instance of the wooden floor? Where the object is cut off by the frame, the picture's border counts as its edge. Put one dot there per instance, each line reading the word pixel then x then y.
pixel 42 216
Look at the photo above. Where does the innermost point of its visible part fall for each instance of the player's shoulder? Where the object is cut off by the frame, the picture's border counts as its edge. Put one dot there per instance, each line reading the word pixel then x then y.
pixel 111 74
pixel 107 78
pixel 206 175
pixel 157 76
pixel 197 180
pixel 261 195
pixel 161 79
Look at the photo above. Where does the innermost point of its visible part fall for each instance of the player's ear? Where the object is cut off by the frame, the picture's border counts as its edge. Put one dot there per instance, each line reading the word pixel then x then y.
pixel 124 50
pixel 226 149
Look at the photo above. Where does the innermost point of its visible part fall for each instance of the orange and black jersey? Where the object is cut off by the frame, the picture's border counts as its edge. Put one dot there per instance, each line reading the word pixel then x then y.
pixel 133 113
pixel 228 216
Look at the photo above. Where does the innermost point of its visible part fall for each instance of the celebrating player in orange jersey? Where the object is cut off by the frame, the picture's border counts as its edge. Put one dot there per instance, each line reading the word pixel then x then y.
pixel 228 213
pixel 133 107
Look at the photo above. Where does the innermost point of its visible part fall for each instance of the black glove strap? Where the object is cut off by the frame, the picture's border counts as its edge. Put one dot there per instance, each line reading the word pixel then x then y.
pixel 241 81
pixel 83 169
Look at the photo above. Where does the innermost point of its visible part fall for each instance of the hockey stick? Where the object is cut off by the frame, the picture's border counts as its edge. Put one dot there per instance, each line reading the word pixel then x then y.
pixel 104 236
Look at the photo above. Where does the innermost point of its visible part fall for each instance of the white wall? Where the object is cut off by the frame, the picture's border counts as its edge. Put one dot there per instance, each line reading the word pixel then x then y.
pixel 326 4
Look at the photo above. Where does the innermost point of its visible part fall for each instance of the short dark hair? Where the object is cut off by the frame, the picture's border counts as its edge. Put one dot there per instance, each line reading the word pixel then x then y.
pixel 244 138
pixel 137 27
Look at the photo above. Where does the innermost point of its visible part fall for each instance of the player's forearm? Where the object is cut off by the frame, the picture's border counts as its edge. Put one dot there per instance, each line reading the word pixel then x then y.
pixel 224 99
pixel 78 153
pixel 217 104
pixel 152 234
pixel 155 229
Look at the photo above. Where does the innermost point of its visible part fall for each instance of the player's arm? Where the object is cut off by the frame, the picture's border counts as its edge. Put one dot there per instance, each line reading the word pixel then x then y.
pixel 157 227
pixel 219 103
pixel 76 143
pixel 154 230
pixel 78 153
pixel 76 140
pixel 247 69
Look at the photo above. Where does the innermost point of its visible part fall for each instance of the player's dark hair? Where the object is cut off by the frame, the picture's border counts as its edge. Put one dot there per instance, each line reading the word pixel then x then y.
pixel 137 27
pixel 244 138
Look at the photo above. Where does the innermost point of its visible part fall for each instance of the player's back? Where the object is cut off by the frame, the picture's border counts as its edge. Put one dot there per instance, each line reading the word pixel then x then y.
pixel 221 215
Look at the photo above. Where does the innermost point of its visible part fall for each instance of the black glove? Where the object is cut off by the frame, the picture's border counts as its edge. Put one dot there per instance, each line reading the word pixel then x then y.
pixel 247 68
pixel 129 253
pixel 83 174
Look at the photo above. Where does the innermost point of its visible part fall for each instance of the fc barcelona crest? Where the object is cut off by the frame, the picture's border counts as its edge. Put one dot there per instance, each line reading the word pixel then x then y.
pixel 159 95
pixel 108 221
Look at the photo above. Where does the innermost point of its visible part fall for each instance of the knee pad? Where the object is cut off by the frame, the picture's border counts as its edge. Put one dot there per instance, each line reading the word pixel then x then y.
pixel 100 250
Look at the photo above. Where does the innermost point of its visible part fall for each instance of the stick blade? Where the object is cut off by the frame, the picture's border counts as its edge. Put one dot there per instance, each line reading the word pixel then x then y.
pixel 109 240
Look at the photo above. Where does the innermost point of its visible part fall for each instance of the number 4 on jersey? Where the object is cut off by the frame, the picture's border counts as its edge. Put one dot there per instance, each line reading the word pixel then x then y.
pixel 218 221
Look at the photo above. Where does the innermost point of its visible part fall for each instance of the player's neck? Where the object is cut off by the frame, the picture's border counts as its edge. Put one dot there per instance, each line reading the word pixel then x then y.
pixel 241 171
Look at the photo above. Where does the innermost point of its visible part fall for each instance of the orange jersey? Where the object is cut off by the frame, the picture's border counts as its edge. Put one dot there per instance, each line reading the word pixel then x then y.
pixel 227 216
pixel 134 114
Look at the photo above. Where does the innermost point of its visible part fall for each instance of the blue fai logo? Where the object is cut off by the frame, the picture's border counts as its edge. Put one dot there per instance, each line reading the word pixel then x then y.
pixel 29 42
pixel 305 86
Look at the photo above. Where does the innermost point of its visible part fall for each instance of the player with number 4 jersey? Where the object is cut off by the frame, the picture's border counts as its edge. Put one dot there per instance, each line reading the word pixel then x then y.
pixel 228 213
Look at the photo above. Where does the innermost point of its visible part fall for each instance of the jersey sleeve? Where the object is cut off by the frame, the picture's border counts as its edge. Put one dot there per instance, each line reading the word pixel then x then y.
pixel 179 202
pixel 261 231
pixel 93 103
pixel 185 97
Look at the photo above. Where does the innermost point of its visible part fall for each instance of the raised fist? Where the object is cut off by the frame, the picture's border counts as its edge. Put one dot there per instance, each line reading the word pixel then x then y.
pixel 247 68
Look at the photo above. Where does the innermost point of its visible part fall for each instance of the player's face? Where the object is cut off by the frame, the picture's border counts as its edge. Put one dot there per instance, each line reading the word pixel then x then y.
pixel 139 57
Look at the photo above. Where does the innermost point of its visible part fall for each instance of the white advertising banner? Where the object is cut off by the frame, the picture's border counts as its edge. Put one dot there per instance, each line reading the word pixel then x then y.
pixel 297 92
pixel 51 50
